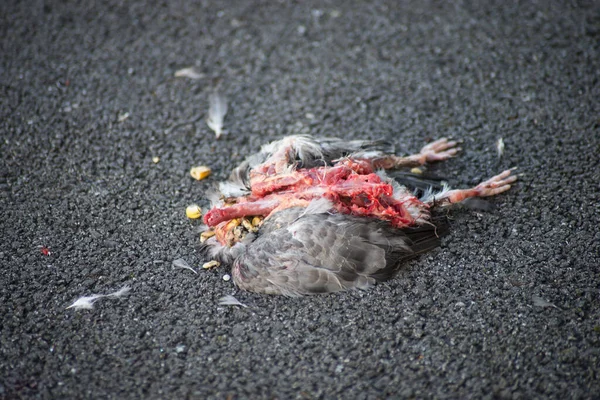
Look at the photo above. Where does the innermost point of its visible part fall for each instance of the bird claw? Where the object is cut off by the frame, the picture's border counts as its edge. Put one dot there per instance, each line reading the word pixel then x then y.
pixel 497 184
pixel 440 150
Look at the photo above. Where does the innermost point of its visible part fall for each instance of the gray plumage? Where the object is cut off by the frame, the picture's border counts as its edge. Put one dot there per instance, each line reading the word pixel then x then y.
pixel 296 253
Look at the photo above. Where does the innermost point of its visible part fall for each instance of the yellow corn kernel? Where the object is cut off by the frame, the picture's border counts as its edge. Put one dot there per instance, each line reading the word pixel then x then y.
pixel 200 173
pixel 204 236
pixel 211 264
pixel 257 221
pixel 248 225
pixel 416 170
pixel 232 224
pixel 193 211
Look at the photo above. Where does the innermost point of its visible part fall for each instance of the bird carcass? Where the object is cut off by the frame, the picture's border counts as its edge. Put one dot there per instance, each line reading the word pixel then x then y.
pixel 316 215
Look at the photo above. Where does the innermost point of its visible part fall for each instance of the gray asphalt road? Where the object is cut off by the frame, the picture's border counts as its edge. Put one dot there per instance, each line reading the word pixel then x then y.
pixel 507 308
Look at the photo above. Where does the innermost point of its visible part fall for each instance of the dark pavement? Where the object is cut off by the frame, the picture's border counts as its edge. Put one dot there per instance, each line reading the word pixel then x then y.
pixel 509 307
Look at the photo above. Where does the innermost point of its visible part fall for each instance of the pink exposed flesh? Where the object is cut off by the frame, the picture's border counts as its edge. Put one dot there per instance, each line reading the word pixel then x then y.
pixel 351 186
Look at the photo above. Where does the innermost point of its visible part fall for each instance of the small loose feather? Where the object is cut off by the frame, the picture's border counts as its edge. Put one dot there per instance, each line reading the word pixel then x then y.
pixel 121 292
pixel 122 117
pixel 87 302
pixel 216 113
pixel 188 73
pixel 540 302
pixel 181 263
pixel 231 301
pixel 500 147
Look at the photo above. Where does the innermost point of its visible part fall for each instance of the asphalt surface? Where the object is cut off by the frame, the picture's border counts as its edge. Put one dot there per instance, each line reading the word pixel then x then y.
pixel 509 307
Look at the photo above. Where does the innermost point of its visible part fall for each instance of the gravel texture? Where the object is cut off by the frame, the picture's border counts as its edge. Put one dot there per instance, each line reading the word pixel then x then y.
pixel 509 307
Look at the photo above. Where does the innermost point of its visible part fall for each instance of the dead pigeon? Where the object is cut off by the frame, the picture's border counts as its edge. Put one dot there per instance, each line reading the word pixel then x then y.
pixel 310 215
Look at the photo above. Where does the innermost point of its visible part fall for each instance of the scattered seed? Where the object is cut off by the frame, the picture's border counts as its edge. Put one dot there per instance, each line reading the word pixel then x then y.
pixel 211 264
pixel 232 224
pixel 200 173
pixel 226 277
pixel 248 225
pixel 417 171
pixel 204 236
pixel 238 233
pixel 257 221
pixel 193 211
pixel 155 160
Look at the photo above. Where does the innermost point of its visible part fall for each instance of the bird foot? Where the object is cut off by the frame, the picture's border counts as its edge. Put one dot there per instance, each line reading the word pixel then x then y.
pixel 493 186
pixel 440 150
pixel 497 184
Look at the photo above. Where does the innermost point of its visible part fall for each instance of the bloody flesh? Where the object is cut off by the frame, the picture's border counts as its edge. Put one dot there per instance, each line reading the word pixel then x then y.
pixel 351 186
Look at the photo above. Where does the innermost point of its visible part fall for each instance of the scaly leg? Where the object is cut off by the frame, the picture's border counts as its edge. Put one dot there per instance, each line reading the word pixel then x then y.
pixel 441 149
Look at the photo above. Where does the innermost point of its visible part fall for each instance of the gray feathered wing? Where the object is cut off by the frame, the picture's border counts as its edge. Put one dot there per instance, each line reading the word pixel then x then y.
pixel 296 254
